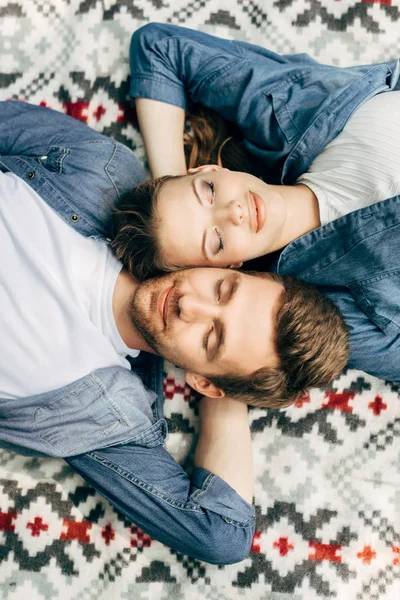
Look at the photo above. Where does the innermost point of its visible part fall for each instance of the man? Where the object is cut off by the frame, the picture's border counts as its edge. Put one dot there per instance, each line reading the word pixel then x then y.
pixel 289 108
pixel 70 316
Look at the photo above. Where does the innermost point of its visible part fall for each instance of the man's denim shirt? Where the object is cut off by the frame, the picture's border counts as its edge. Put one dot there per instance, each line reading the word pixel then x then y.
pixel 289 108
pixel 81 174
pixel 107 425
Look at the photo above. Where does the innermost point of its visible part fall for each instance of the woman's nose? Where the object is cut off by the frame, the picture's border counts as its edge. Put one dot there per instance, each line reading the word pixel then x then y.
pixel 236 212
pixel 194 309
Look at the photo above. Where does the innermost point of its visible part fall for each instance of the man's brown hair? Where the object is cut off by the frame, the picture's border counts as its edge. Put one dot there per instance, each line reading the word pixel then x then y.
pixel 311 341
pixel 311 338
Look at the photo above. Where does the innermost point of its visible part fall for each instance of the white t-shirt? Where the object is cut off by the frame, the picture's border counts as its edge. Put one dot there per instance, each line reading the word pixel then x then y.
pixel 56 289
pixel 361 165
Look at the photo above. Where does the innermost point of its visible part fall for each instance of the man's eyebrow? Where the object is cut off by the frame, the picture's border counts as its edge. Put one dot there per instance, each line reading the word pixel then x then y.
pixel 219 347
pixel 203 245
pixel 234 286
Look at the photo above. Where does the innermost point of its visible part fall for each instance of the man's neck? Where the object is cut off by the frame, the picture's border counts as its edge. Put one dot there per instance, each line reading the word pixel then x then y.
pixel 124 289
pixel 302 209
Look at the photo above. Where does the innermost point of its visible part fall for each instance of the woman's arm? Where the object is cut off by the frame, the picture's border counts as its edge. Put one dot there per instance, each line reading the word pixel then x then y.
pixel 224 446
pixel 162 127
pixel 275 100
pixel 176 66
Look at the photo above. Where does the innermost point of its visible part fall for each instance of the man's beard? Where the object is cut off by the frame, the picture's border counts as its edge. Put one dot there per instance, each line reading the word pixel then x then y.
pixel 141 320
pixel 143 307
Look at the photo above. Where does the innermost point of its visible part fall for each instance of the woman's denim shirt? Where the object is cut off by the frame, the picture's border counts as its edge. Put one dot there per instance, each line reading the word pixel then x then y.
pixel 288 108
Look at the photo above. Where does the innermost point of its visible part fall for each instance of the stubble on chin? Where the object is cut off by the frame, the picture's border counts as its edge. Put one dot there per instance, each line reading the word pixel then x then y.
pixel 144 317
pixel 142 307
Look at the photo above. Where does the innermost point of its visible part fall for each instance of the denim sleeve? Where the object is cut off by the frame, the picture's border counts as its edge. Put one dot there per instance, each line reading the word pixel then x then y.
pixel 30 130
pixel 201 516
pixel 174 65
pixel 371 349
pixel 274 99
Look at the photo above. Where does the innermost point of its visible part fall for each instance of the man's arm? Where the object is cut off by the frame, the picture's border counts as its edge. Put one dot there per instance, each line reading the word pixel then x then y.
pixel 208 516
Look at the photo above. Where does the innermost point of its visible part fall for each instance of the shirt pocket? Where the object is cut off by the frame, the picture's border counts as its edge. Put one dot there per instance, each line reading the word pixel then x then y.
pixel 82 419
pixel 54 159
pixel 279 104
pixel 379 298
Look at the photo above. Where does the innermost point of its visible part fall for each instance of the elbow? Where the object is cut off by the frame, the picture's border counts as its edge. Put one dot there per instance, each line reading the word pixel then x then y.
pixel 145 38
pixel 233 546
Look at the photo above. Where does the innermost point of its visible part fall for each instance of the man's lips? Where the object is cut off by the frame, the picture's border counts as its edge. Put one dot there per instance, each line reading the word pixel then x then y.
pixel 162 304
pixel 257 209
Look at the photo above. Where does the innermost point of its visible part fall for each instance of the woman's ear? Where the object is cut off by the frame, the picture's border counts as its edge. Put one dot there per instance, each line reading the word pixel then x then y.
pixel 235 265
pixel 203 385
pixel 206 169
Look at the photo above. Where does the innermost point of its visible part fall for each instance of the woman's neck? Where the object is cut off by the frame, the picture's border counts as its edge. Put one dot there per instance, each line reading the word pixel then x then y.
pixel 302 213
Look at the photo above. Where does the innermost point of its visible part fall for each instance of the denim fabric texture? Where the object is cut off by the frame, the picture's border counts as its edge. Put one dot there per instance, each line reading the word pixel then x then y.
pixel 289 108
pixel 80 173
pixel 109 424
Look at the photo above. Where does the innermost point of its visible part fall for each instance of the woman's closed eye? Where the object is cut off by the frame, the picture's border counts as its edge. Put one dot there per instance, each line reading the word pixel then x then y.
pixel 212 188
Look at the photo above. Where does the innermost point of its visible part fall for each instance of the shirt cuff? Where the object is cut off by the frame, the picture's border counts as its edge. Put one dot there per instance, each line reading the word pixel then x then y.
pixel 158 88
pixel 214 494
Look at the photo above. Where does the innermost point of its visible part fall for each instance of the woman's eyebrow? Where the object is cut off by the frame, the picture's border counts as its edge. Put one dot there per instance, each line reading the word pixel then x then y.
pixel 196 192
pixel 199 200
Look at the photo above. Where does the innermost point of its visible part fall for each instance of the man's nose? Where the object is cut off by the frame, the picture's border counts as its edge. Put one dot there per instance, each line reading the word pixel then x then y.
pixel 192 308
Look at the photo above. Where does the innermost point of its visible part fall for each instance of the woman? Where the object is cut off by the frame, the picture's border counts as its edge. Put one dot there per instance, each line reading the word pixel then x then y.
pixel 287 109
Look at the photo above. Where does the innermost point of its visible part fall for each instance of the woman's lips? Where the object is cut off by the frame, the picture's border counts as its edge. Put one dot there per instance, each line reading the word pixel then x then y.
pixel 162 304
pixel 258 212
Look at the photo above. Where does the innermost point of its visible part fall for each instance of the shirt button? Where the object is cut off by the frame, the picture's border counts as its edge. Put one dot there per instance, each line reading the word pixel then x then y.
pixel 74 218
pixel 31 175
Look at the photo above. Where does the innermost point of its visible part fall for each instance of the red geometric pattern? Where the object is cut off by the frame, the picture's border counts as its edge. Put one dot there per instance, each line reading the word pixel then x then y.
pixel 139 539
pixel 325 552
pixel 366 555
pixel 283 546
pixel 339 401
pixel 255 546
pixel 172 387
pixel 327 525
pixel 76 530
pixel 387 2
pixel 377 406
pixel 6 521
pixel 108 534
pixel 37 526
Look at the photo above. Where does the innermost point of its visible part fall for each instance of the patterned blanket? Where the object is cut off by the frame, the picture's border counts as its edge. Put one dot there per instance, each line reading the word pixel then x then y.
pixel 327 474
